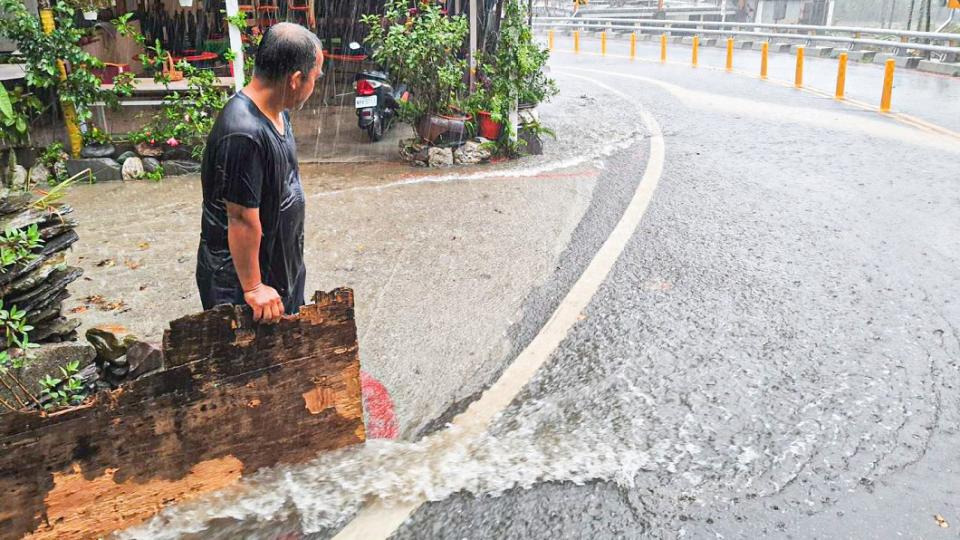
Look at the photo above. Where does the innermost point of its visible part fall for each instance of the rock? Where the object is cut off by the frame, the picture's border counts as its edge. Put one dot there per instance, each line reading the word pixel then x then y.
pixel 414 152
pixel 47 360
pixel 471 153
pixel 97 151
pixel 120 362
pixel 132 169
pixel 149 150
pixel 89 374
pixel 440 157
pixel 122 158
pixel 528 115
pixel 38 174
pixel 123 148
pixel 13 201
pixel 180 152
pixel 534 146
pixel 111 341
pixel 150 164
pixel 55 330
pixel 119 372
pixel 103 169
pixel 103 385
pixel 143 357
pixel 18 180
pixel 177 167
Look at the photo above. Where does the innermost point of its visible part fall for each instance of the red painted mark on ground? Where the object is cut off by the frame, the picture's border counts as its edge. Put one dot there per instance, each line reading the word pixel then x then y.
pixel 381 420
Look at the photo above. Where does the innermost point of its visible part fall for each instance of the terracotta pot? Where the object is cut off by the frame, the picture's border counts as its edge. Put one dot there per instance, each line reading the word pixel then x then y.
pixel 443 128
pixel 488 128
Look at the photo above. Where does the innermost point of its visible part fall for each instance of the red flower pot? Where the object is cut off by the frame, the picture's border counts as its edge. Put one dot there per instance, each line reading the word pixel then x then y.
pixel 487 127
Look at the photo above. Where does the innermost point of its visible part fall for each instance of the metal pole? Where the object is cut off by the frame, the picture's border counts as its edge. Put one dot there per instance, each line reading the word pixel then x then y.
pixel 236 46
pixel 830 6
pixel 473 44
pixel 723 10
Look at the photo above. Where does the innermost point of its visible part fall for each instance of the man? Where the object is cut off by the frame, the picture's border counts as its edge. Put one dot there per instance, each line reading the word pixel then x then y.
pixel 251 239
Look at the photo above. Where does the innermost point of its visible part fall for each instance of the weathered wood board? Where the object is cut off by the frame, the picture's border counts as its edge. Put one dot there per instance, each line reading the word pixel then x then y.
pixel 234 396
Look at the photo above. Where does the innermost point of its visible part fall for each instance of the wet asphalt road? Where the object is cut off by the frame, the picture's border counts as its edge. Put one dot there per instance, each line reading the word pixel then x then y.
pixel 775 354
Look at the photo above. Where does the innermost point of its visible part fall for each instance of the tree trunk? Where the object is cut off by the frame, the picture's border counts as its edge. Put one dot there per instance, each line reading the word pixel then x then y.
pixel 913 5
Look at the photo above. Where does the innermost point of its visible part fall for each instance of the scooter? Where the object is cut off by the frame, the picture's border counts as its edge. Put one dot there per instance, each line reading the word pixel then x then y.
pixel 377 100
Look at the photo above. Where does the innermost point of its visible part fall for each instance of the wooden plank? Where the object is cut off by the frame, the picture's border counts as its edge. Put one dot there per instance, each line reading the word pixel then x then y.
pixel 234 397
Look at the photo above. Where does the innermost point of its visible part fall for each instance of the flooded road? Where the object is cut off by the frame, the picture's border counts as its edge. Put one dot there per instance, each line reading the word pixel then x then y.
pixel 774 354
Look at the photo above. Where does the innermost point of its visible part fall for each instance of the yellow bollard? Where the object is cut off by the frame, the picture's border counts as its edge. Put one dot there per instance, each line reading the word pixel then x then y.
pixel 576 41
pixel 603 43
pixel 888 86
pixel 663 47
pixel 696 50
pixel 841 75
pixel 764 57
pixel 798 80
pixel 729 54
pixel 633 45
pixel 550 40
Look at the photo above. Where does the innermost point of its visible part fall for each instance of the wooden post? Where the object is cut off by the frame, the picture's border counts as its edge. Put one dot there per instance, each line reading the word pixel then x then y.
pixel 236 45
pixel 232 397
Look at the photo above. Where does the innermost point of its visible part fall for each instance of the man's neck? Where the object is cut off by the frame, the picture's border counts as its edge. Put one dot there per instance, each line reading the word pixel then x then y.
pixel 267 98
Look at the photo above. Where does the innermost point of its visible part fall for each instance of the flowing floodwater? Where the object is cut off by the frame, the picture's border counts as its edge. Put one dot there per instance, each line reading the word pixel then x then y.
pixel 707 385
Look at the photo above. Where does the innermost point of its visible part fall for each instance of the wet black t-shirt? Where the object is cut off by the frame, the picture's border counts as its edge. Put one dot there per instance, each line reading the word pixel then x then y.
pixel 249 163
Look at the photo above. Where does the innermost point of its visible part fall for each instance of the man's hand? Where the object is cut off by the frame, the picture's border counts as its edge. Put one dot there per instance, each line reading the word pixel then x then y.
pixel 266 303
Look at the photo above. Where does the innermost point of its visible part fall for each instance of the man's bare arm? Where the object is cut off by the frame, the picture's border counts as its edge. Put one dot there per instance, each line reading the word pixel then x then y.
pixel 243 235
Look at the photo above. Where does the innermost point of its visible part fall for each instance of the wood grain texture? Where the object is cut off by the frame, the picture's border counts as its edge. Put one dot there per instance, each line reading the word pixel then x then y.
pixel 234 397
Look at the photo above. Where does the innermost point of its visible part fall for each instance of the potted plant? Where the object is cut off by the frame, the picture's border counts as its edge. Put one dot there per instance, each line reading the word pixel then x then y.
pixel 421 48
pixel 516 73
pixel 487 109
pixel 90 8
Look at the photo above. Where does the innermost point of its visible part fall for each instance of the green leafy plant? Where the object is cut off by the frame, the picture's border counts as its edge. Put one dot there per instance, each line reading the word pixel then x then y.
pixel 17 108
pixel 95 135
pixel 186 118
pixel 17 246
pixel 54 158
pixel 537 129
pixel 421 48
pixel 42 51
pixel 15 327
pixel 65 391
pixel 514 74
pixel 156 175
pixel 183 118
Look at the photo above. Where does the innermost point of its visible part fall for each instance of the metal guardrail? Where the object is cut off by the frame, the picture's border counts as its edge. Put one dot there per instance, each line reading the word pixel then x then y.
pixel 852 37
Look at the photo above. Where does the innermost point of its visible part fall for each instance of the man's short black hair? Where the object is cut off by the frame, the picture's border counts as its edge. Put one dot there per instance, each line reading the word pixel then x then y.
pixel 286 48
